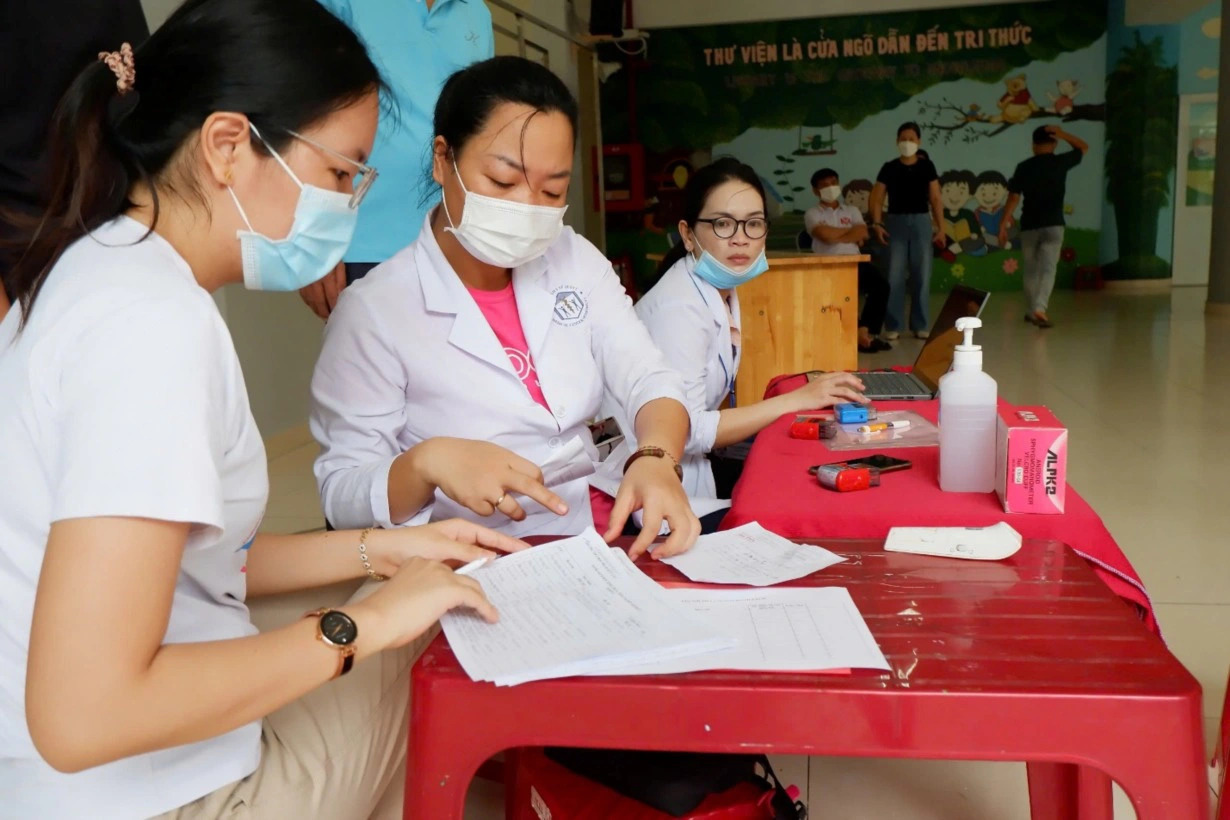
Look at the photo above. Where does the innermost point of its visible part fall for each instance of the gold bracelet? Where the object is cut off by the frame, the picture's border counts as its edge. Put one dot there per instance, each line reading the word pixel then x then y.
pixel 367 565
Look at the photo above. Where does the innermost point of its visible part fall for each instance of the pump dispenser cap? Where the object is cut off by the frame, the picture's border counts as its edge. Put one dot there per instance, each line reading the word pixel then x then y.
pixel 967 356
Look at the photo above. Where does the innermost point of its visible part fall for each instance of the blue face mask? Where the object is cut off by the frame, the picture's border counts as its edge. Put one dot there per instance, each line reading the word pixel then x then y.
pixel 722 277
pixel 323 226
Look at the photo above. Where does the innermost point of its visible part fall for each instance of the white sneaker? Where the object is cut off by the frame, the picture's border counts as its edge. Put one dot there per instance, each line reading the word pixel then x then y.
pixel 890 335
pixel 922 334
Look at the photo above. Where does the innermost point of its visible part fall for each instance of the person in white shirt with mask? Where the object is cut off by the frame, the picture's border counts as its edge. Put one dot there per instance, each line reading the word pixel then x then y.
pixel 693 315
pixel 133 683
pixel 451 373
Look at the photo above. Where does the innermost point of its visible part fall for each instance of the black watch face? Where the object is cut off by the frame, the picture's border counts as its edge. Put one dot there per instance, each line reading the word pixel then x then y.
pixel 338 628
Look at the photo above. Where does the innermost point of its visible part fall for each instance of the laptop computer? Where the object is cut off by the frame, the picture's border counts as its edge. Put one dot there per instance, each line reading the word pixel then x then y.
pixel 935 358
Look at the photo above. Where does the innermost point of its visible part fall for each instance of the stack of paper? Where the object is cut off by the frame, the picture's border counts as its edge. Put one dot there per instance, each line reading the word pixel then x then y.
pixel 573 607
pixel 750 555
pixel 816 629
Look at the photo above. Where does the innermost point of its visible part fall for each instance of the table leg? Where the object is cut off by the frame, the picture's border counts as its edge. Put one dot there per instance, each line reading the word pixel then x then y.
pixel 1066 791
pixel 438 775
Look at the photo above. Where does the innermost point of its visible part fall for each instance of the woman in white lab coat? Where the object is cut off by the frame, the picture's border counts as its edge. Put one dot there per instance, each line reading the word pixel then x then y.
pixel 692 313
pixel 451 373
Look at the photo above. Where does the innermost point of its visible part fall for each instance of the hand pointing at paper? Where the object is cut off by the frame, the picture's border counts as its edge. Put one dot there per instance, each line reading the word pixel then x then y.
pixel 479 475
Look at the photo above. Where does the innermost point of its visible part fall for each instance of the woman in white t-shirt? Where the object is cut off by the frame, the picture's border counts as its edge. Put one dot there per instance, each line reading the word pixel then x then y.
pixel 132 681
pixel 693 315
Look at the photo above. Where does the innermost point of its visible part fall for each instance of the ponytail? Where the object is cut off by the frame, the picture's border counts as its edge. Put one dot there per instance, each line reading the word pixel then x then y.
pixel 697 191
pixel 89 183
pixel 283 63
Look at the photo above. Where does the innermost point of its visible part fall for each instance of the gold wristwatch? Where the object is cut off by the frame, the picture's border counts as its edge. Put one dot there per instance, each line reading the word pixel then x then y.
pixel 338 630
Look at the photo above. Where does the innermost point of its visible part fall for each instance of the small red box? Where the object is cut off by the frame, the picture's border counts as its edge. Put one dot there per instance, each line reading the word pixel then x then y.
pixel 546 790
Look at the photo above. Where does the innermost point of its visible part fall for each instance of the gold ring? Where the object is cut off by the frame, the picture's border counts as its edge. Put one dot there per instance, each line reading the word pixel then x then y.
pixel 500 501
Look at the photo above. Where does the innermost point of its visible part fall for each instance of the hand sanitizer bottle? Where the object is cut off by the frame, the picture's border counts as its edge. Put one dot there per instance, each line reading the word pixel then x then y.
pixel 967 419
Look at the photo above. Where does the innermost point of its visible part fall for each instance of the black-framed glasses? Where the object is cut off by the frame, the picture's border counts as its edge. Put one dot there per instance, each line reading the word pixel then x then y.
pixel 724 227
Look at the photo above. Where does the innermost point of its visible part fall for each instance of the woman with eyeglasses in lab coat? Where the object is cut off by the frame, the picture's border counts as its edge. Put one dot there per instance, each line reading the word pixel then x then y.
pixel 693 315
pixel 451 374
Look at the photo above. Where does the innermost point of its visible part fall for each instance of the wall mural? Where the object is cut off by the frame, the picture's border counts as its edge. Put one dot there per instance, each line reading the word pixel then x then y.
pixel 791 97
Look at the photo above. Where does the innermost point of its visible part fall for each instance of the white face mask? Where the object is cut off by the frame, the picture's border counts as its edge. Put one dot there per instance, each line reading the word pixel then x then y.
pixel 908 148
pixel 830 194
pixel 501 232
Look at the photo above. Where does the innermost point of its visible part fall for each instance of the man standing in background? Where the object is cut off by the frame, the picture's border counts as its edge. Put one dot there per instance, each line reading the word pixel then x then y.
pixel 43 46
pixel 416 44
pixel 1042 180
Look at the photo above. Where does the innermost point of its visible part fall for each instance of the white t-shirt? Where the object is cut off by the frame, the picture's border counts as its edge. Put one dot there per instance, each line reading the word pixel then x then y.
pixel 843 216
pixel 123 397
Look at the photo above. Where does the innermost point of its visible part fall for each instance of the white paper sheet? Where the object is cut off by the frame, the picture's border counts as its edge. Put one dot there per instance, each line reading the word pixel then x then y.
pixel 568 607
pixel 799 629
pixel 570 462
pixel 750 555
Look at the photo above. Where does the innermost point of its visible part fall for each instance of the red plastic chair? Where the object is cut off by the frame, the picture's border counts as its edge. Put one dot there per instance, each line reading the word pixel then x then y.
pixel 1222 758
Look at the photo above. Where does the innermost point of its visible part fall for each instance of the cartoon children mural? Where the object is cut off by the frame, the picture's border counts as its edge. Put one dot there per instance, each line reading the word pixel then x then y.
pixel 990 194
pixel 961 226
pixel 858 193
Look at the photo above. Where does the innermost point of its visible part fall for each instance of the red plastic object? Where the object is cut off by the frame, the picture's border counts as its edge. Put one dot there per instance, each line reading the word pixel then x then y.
pixel 542 788
pixel 1222 760
pixel 845 479
pixel 813 428
pixel 1088 277
pixel 1028 659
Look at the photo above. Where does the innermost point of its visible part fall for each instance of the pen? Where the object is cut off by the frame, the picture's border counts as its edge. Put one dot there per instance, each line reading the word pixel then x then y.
pixel 883 425
pixel 473 565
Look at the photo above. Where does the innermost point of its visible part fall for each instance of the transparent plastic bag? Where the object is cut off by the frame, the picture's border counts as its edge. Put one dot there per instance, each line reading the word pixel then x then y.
pixel 920 433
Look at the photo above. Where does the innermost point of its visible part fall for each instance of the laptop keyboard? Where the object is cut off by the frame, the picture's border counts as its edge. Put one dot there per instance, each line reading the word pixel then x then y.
pixel 891 384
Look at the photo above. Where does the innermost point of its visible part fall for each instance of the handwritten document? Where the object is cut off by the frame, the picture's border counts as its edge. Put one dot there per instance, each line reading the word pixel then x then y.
pixel 750 555
pixel 573 607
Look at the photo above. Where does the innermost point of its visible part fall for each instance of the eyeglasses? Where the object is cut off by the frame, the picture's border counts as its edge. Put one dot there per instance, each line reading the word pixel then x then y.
pixel 363 180
pixel 724 227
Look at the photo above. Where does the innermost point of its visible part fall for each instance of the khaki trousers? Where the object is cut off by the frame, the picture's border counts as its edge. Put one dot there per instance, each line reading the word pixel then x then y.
pixel 339 752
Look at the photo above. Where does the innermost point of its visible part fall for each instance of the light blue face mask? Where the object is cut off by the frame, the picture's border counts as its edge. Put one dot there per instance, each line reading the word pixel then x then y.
pixel 323 226
pixel 722 277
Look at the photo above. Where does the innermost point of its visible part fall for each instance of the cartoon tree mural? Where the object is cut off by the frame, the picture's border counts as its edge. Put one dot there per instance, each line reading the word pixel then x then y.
pixel 684 102
pixel 949 120
pixel 1141 138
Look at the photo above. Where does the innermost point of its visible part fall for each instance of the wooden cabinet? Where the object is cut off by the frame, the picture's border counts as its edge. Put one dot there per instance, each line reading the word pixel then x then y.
pixel 800 315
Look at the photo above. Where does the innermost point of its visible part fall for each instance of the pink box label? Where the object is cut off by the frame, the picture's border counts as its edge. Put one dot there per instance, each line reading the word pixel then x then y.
pixel 1031 461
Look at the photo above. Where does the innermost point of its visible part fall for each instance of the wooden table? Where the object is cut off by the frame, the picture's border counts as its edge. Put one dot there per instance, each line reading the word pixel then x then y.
pixel 1030 659
pixel 801 315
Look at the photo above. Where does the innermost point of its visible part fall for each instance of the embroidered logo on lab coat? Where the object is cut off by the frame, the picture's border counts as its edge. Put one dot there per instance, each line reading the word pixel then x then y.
pixel 570 307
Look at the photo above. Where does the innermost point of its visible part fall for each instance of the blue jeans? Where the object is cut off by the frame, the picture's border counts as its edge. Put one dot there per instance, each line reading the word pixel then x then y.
pixel 909 252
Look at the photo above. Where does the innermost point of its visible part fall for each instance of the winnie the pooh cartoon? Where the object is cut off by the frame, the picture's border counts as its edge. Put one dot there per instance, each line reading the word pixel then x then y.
pixel 1017 105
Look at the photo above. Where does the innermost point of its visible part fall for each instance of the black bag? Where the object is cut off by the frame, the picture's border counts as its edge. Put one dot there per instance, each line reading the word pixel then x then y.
pixel 677 782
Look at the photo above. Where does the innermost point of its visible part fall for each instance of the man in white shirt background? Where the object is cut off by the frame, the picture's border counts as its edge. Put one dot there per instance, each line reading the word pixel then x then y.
pixel 836 229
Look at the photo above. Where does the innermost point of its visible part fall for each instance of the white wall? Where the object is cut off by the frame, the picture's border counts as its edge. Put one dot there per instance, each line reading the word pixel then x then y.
pixel 664 13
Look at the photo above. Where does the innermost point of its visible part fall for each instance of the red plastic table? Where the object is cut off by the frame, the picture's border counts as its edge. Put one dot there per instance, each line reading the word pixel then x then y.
pixel 1031 659
pixel 777 491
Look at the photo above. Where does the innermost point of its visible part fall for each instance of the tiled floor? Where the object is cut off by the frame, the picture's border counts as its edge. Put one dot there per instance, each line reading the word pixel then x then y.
pixel 1143 384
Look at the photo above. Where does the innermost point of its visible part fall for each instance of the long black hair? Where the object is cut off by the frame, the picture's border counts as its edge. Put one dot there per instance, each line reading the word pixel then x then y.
pixel 699 186
pixel 283 63
pixel 471 94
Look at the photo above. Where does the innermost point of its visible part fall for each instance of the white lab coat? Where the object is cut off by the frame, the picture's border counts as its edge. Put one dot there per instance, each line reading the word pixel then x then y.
pixel 409 356
pixel 688 322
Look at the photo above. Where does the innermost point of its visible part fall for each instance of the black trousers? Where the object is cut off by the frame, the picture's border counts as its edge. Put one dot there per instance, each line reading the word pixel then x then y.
pixel 874 287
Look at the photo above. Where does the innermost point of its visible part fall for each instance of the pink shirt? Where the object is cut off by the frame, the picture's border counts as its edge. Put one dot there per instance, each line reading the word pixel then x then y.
pixel 499 307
